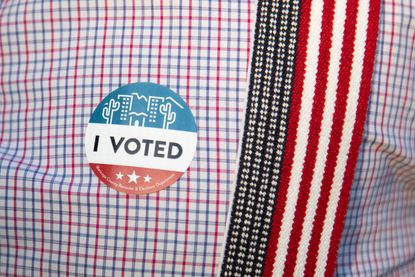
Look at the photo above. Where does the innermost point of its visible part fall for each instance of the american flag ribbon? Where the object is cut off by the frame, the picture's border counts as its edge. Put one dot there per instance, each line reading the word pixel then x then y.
pixel 311 68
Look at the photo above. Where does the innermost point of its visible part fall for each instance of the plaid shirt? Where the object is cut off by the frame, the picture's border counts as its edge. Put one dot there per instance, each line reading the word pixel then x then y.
pixel 60 58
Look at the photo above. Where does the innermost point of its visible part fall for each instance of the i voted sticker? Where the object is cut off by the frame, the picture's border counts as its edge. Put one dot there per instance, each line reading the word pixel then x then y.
pixel 141 138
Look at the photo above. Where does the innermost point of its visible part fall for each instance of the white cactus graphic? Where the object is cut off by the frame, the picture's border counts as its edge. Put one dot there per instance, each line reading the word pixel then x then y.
pixel 169 116
pixel 109 110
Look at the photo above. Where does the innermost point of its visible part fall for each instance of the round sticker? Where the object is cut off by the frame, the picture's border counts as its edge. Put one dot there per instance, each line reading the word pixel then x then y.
pixel 141 138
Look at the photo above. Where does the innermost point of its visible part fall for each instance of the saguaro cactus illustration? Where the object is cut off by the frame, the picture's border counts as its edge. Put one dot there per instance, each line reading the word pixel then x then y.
pixel 108 111
pixel 169 116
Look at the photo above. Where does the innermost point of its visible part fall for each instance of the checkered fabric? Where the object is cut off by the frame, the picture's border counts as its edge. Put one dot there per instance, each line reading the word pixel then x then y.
pixel 379 234
pixel 58 60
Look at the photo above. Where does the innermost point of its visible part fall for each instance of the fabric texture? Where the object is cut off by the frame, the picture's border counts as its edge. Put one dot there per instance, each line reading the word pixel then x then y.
pixel 334 66
pixel 379 233
pixel 58 59
pixel 264 133
pixel 333 57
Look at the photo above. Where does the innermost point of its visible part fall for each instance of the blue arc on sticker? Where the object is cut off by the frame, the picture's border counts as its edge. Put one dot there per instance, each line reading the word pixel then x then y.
pixel 145 105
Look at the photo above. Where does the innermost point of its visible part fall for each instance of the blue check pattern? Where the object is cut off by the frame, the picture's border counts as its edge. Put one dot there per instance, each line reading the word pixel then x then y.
pixel 59 59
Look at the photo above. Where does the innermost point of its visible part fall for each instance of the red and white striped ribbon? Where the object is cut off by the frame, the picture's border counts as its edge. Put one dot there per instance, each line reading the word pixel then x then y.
pixel 334 62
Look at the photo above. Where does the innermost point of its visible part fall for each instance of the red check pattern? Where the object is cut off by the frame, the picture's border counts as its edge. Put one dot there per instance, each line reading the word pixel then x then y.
pixel 58 60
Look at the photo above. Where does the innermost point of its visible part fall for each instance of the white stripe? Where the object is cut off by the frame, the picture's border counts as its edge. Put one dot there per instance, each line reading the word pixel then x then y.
pixel 350 117
pixel 330 98
pixel 302 137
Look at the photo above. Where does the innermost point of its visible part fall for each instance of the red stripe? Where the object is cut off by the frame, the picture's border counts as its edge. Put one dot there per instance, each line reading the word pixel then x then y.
pixel 112 227
pixel 189 50
pixel 291 137
pixel 368 63
pixel 124 252
pixel 218 145
pixel 131 63
pixel 16 236
pixel 47 167
pixel 98 196
pixel 315 127
pixel 313 139
pixel 118 46
pixel 391 157
pixel 111 196
pixel 336 134
pixel 156 217
pixel 2 55
pixel 248 49
pixel 121 75
pixel 129 18
pixel 160 46
pixel 115 259
pixel 127 197
pixel 68 245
